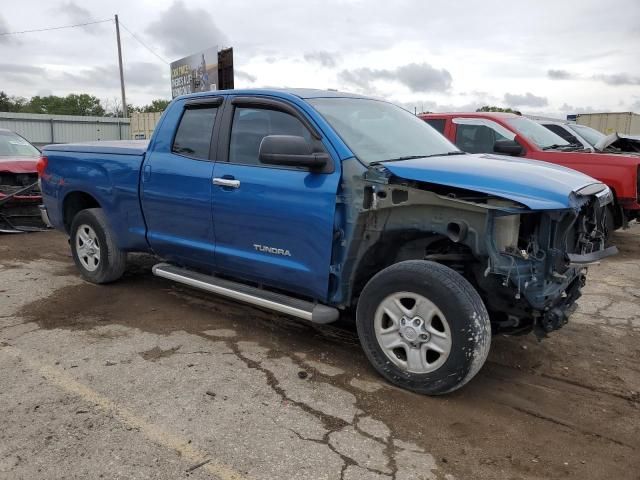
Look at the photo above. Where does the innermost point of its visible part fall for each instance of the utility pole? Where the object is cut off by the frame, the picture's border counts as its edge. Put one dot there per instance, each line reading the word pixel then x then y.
pixel 124 101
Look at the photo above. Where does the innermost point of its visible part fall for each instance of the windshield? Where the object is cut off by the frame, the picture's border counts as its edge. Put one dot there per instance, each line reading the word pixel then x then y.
pixel 589 134
pixel 376 131
pixel 13 145
pixel 538 134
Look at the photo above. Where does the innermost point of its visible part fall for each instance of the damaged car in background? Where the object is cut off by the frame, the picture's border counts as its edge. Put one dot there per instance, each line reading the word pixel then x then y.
pixel 19 192
pixel 591 139
pixel 315 203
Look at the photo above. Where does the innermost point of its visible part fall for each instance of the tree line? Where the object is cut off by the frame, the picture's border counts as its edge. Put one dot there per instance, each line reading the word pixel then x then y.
pixel 73 104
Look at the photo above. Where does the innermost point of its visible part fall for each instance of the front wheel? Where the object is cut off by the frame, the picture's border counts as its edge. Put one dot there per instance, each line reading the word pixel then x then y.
pixel 423 327
pixel 94 249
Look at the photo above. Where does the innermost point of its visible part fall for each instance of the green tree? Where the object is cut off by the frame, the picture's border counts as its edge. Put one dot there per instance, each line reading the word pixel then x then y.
pixel 157 105
pixel 488 108
pixel 73 104
pixel 11 104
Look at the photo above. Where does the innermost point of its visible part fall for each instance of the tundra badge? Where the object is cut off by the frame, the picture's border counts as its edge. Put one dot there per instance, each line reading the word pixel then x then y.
pixel 273 250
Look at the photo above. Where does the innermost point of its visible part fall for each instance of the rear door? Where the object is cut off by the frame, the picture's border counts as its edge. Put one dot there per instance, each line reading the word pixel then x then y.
pixel 176 185
pixel 273 225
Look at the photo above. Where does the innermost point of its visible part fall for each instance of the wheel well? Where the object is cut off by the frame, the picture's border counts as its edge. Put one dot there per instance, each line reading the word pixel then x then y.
pixel 75 202
pixel 402 246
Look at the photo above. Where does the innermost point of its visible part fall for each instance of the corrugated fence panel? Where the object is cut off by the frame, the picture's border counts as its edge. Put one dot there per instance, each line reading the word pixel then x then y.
pixel 44 129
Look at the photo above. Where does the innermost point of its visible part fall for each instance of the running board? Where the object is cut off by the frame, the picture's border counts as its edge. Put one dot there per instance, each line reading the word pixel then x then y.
pixel 313 312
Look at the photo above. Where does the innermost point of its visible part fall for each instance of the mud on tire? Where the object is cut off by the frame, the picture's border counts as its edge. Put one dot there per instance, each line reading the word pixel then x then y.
pixel 93 248
pixel 455 330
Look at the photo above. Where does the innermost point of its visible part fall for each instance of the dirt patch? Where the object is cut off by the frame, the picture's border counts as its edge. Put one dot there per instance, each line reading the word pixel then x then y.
pixel 156 353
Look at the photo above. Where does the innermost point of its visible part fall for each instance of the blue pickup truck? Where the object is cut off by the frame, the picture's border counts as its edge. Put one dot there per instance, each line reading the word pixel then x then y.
pixel 312 203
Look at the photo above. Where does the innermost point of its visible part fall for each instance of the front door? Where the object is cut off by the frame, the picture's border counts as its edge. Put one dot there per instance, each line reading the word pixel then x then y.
pixel 177 189
pixel 479 135
pixel 273 225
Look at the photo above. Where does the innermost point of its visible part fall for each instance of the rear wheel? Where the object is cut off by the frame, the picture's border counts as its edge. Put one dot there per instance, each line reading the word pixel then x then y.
pixel 423 327
pixel 93 247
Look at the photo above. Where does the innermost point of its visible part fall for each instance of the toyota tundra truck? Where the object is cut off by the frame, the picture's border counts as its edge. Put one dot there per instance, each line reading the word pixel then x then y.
pixel 315 203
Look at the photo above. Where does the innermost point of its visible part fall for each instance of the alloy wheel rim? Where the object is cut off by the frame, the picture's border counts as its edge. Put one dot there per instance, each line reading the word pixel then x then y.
pixel 412 332
pixel 88 247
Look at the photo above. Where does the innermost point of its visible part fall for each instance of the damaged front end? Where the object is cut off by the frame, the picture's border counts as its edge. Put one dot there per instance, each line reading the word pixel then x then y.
pixel 20 198
pixel 537 260
pixel 528 264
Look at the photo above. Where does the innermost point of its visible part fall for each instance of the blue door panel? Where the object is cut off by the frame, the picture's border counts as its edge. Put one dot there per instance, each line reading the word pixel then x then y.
pixel 176 200
pixel 291 211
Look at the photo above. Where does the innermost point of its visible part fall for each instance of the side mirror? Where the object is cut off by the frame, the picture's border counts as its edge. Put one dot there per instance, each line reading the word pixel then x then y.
pixel 507 147
pixel 290 151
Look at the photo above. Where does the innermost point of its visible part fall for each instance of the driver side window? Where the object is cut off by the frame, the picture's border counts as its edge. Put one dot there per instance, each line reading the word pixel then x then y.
pixel 476 138
pixel 251 125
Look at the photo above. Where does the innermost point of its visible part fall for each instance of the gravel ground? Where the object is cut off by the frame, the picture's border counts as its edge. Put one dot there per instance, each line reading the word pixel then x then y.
pixel 147 379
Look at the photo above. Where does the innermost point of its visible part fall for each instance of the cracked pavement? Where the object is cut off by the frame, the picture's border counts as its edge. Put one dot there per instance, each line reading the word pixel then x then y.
pixel 148 379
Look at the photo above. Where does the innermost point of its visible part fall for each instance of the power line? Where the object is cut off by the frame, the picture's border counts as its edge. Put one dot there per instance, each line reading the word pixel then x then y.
pixel 143 44
pixel 2 34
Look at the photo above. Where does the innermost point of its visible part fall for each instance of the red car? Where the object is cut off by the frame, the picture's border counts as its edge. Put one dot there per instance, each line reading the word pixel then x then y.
pixel 19 192
pixel 510 134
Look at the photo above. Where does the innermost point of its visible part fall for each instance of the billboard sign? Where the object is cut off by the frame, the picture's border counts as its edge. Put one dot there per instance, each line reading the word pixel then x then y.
pixel 195 73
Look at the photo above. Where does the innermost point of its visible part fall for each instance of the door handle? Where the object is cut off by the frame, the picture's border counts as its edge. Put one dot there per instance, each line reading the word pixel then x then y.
pixel 226 182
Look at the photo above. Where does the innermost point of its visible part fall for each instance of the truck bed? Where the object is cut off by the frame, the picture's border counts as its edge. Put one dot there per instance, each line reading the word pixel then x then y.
pixel 107 173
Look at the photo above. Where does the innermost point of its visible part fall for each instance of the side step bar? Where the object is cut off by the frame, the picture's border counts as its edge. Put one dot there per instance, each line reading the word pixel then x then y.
pixel 313 312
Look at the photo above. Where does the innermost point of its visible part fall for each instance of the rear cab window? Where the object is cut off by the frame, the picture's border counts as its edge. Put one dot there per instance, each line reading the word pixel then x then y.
pixel 559 130
pixel 437 123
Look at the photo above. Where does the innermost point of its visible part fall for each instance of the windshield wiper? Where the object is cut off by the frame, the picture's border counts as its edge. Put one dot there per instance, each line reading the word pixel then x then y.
pixel 413 157
pixel 556 146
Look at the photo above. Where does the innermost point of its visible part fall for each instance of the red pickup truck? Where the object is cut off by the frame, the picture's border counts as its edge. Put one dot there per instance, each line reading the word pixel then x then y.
pixel 510 134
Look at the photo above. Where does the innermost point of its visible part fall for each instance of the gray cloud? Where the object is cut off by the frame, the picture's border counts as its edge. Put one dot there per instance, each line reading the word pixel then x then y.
pixel 526 100
pixel 74 12
pixel 617 79
pixel 241 74
pixel 136 74
pixel 572 109
pixel 182 31
pixel 77 14
pixel 21 68
pixel 326 59
pixel 560 74
pixel 22 73
pixel 4 27
pixel 418 77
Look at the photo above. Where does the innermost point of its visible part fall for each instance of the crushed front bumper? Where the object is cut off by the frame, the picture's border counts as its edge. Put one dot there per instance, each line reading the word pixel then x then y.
pixel 590 258
pixel 19 209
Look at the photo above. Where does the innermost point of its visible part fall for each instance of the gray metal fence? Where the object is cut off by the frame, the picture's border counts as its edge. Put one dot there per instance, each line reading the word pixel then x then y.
pixel 44 129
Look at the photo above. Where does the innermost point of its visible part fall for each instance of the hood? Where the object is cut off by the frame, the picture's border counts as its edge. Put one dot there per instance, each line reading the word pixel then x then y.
pixel 538 185
pixel 625 143
pixel 18 165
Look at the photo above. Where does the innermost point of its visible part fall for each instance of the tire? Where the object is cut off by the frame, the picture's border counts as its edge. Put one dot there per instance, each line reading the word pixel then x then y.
pixel 452 309
pixel 93 247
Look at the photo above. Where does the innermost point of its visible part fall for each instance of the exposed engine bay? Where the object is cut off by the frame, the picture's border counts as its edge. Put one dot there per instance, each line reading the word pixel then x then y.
pixel 528 265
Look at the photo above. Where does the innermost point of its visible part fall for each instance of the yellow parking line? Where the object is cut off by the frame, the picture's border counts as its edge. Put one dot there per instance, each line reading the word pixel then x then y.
pixel 153 432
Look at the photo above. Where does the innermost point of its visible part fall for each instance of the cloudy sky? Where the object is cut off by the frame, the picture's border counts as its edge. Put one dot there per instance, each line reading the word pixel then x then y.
pixel 545 57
